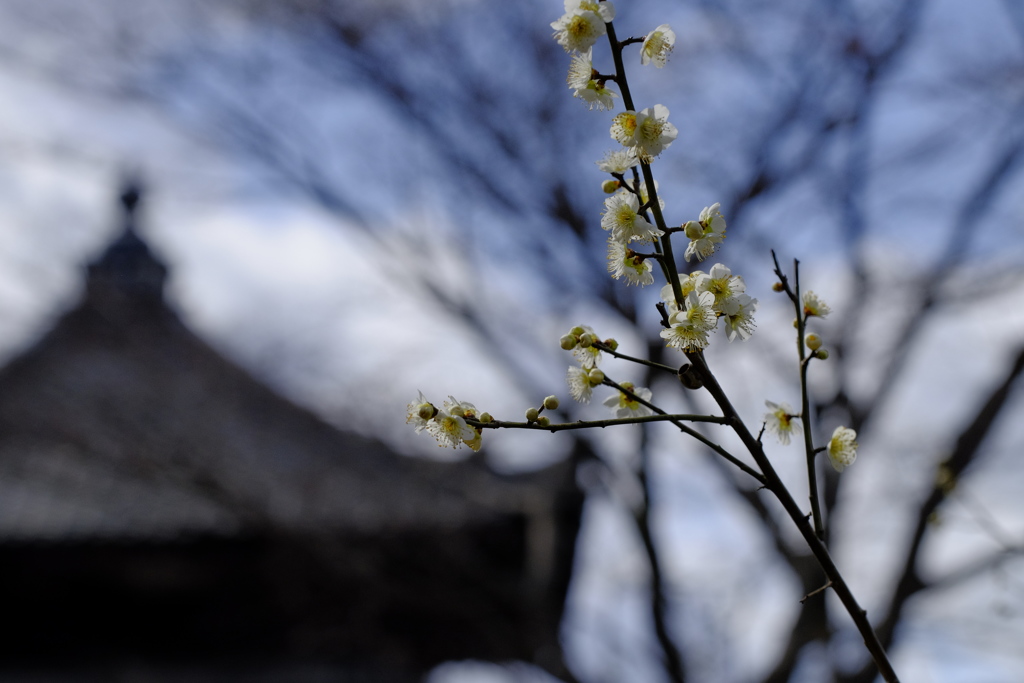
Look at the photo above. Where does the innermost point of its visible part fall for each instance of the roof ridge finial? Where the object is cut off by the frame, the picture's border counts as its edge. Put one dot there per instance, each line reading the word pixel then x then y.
pixel 127 273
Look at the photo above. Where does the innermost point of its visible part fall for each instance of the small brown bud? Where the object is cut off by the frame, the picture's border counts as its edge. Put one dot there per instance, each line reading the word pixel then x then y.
pixel 690 377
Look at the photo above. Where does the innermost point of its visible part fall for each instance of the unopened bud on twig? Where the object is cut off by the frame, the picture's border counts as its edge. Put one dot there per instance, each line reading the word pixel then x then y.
pixel 595 376
pixel 544 420
pixel 485 418
pixel 778 287
pixel 551 403
pixel 609 186
pixel 532 414
pixel 567 342
pixel 693 230
pixel 813 342
pixel 690 377
pixel 822 354
pixel 611 344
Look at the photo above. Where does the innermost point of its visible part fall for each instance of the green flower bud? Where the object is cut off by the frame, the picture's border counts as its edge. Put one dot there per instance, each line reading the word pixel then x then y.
pixel 544 420
pixel 822 354
pixel 577 331
pixel 693 230
pixel 485 418
pixel 532 414
pixel 567 342
pixel 778 287
pixel 427 411
pixel 595 376
pixel 609 186
pixel 813 342
pixel 611 344
pixel 587 340
pixel 551 403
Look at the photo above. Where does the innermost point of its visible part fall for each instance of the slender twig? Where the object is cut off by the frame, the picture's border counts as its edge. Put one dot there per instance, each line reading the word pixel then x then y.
pixel 651 364
pixel 775 484
pixel 590 424
pixel 692 432
pixel 805 407
pixel 805 401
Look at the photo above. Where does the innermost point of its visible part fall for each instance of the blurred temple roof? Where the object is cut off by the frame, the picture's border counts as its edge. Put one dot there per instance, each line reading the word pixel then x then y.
pixel 120 426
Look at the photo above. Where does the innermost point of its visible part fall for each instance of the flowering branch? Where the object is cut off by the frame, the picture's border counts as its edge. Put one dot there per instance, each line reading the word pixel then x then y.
pixel 591 424
pixel 692 306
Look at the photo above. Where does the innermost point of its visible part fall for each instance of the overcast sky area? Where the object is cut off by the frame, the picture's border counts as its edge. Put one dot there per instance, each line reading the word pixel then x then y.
pixel 303 215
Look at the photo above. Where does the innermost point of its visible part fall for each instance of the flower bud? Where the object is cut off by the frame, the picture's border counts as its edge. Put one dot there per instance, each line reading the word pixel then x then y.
pixel 822 354
pixel 778 287
pixel 426 411
pixel 567 342
pixel 551 403
pixel 609 186
pixel 532 414
pixel 611 344
pixel 485 418
pixel 587 340
pixel 796 323
pixel 544 420
pixel 813 342
pixel 595 376
pixel 693 230
pixel 577 331
pixel 690 377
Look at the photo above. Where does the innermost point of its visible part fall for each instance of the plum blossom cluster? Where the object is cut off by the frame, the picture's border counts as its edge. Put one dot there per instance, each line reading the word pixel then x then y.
pixel 708 298
pixel 585 346
pixel 447 424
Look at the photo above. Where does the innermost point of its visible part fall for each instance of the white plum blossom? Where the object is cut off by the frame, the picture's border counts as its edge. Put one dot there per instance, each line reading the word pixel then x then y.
pixel 622 263
pixel 689 328
pixel 658 46
pixel 781 421
pixel 687 283
pixel 647 132
pixel 581 384
pixel 738 316
pixel 814 306
pixel 418 412
pixel 624 406
pixel 645 195
pixel 588 356
pixel 622 220
pixel 581 80
pixel 705 234
pixel 618 161
pixel 606 10
pixel 460 408
pixel 842 448
pixel 577 30
pixel 450 430
pixel 722 283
